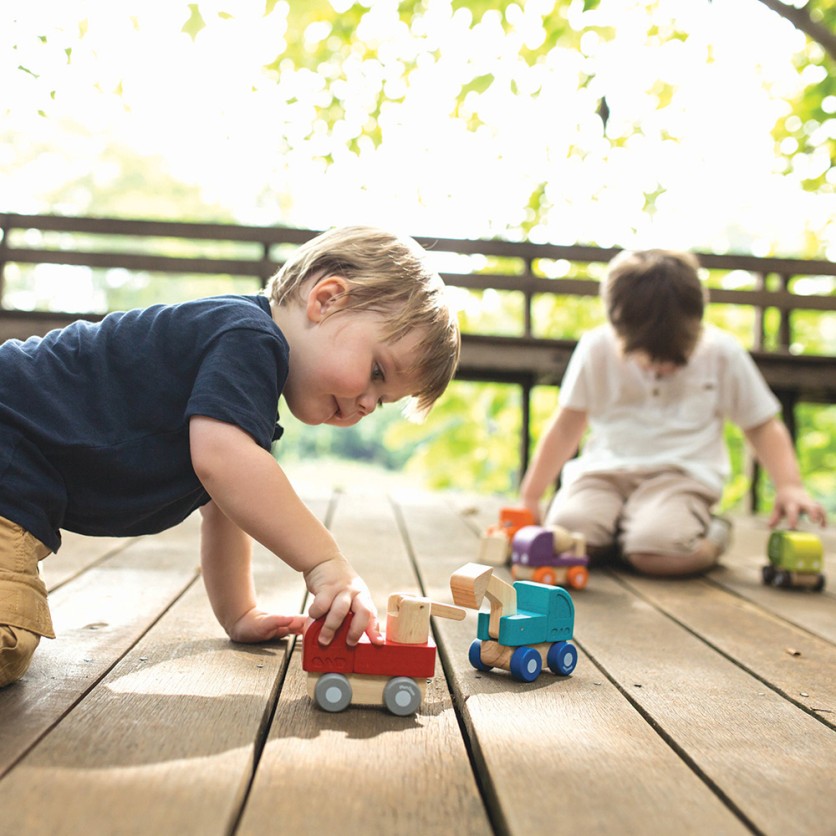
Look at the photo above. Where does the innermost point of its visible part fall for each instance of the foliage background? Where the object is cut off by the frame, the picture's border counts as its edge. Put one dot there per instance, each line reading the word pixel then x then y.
pixel 706 125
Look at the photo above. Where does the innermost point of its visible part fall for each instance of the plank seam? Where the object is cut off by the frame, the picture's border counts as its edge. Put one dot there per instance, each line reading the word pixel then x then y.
pixel 489 798
pixel 263 732
pixel 813 712
pixel 671 742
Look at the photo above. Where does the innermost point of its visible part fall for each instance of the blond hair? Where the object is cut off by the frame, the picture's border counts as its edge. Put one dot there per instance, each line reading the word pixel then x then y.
pixel 655 302
pixel 386 274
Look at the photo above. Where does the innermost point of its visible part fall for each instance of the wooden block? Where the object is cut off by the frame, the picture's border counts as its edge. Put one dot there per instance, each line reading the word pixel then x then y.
pixel 499 655
pixel 469 584
pixel 578 544
pixel 564 540
pixel 503 598
pixel 447 611
pixel 493 549
pixel 408 619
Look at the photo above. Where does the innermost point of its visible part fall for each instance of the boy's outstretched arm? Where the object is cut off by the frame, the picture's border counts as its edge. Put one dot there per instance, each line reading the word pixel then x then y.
pixel 252 491
pixel 773 447
pixel 557 445
pixel 226 561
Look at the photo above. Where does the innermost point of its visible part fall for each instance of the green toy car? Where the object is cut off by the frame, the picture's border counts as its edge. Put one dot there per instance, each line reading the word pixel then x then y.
pixel 796 559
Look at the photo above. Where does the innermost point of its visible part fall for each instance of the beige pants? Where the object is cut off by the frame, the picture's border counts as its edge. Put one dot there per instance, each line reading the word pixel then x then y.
pixel 650 512
pixel 24 612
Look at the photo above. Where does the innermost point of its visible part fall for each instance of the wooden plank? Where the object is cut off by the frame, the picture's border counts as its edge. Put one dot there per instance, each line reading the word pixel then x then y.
pixel 166 742
pixel 740 572
pixel 478 512
pixel 97 617
pixel 571 750
pixel 772 761
pixel 365 770
pixel 801 666
pixel 78 553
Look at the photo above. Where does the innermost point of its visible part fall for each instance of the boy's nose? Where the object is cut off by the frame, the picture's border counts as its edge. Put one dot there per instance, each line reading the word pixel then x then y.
pixel 366 403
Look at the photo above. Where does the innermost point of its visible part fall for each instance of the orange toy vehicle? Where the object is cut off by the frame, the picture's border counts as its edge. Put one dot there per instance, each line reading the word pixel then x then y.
pixel 495 545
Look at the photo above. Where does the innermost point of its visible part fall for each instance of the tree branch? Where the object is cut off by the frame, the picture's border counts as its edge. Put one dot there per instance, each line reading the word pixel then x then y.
pixel 800 18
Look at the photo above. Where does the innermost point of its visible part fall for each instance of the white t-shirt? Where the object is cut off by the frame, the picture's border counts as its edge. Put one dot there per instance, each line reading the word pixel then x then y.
pixel 638 421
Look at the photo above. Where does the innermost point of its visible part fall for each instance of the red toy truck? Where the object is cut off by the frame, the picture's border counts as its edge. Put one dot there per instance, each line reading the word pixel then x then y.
pixel 393 674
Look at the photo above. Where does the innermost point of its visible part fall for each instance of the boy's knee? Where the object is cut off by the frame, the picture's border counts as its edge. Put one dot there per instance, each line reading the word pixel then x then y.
pixel 672 565
pixel 17 646
pixel 676 538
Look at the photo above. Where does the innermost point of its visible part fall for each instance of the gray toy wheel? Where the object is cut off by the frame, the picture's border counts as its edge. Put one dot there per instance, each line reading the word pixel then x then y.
pixel 332 692
pixel 402 696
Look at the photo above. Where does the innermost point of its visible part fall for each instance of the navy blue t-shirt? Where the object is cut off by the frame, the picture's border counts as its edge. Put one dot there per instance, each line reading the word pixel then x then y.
pixel 94 418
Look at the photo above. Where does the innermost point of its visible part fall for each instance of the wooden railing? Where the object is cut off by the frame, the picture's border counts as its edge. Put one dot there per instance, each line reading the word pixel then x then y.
pixel 527 357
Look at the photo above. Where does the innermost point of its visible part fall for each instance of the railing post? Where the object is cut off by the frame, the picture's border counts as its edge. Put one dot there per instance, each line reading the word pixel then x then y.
pixel 529 274
pixel 758 336
pixel 3 247
pixel 785 328
pixel 264 271
pixel 525 434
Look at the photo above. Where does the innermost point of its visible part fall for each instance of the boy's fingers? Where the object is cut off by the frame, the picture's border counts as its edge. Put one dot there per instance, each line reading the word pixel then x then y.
pixel 364 621
pixel 294 623
pixel 335 617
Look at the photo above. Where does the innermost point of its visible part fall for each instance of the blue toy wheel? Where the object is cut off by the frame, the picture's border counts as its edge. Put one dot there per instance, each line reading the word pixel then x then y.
pixel 474 654
pixel 526 664
pixel 562 658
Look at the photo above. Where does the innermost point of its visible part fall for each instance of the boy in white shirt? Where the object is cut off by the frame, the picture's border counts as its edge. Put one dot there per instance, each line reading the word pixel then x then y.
pixel 654 387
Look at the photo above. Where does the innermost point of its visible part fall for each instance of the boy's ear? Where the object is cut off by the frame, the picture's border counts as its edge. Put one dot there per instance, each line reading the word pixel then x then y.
pixel 327 296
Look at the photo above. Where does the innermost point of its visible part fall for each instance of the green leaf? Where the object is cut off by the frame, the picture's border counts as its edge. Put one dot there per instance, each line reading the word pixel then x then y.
pixel 477 85
pixel 195 22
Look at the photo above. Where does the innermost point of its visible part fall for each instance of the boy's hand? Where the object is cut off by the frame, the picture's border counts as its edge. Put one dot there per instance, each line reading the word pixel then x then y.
pixel 533 505
pixel 792 502
pixel 259 626
pixel 338 590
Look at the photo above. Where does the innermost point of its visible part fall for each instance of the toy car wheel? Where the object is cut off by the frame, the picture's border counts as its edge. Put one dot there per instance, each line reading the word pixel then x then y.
pixel 768 574
pixel 578 577
pixel 474 654
pixel 819 584
pixel 332 692
pixel 562 658
pixel 402 696
pixel 526 664
pixel 545 574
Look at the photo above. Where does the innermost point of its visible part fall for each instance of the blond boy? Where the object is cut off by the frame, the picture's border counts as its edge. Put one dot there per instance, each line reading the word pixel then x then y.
pixel 127 426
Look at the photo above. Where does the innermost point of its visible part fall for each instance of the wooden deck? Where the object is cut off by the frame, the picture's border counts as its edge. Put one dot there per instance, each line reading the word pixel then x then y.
pixel 704 706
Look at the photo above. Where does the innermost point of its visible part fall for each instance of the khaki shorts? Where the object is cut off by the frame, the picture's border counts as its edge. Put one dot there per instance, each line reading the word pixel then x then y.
pixel 641 512
pixel 22 592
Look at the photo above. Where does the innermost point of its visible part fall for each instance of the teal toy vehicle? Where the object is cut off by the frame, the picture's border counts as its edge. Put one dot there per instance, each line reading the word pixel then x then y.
pixel 796 559
pixel 529 626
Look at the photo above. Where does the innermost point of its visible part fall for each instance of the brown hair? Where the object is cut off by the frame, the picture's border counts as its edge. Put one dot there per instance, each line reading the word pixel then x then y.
pixel 655 302
pixel 387 274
